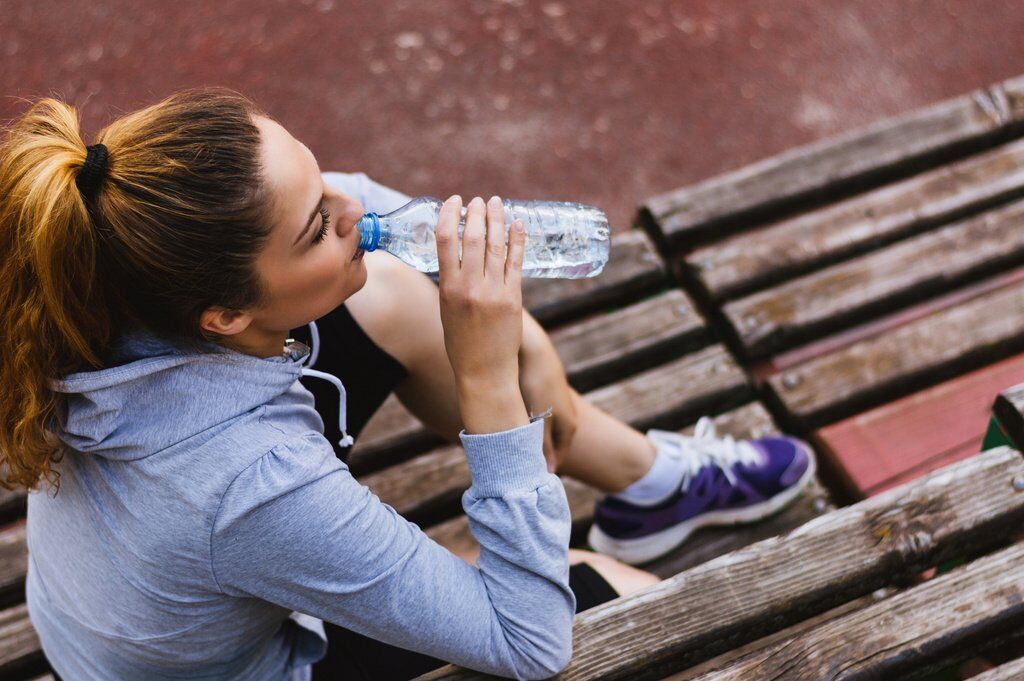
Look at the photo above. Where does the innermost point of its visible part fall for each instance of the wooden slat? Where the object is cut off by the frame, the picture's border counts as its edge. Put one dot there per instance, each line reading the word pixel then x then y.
pixel 391 435
pixel 19 643
pixel 427 482
pixel 13 562
pixel 682 389
pixel 765 587
pixel 744 652
pixel 633 269
pixel 1009 411
pixel 608 346
pixel 914 434
pixel 774 185
pixel 839 295
pixel 594 351
pixel 743 263
pixel 1011 671
pixel 927 350
pixel 946 617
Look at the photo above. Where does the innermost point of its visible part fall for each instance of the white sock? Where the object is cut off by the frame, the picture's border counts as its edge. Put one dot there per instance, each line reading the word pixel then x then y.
pixel 661 481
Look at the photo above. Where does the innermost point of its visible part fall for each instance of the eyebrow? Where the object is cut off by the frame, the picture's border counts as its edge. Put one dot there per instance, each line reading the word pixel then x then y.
pixel 312 216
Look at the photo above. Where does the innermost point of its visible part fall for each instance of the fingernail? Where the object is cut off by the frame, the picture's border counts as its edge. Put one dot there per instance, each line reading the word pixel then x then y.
pixel 477 199
pixel 454 197
pixel 518 226
pixel 494 199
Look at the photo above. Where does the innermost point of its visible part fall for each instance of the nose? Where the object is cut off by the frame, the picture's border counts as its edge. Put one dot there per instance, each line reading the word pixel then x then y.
pixel 352 210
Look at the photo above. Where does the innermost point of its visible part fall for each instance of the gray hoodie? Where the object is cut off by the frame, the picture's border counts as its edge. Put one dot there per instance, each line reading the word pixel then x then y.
pixel 201 510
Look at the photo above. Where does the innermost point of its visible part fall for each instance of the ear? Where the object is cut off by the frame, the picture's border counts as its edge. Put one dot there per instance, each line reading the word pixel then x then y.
pixel 224 322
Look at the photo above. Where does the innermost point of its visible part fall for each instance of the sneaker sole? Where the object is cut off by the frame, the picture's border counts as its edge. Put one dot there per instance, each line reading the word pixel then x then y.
pixel 636 551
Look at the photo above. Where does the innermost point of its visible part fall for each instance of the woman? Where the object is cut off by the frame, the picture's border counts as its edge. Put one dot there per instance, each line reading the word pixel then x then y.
pixel 159 296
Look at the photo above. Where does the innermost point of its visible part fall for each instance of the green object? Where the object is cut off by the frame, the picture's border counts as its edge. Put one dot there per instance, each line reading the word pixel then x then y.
pixel 994 436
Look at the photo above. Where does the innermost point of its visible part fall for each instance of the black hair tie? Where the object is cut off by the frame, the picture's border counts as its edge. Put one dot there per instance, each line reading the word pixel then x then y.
pixel 91 175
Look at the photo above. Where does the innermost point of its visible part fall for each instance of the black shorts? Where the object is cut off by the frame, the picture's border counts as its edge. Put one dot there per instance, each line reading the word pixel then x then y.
pixel 369 375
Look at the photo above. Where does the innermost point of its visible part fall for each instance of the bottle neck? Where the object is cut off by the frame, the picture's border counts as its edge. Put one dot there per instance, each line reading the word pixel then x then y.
pixel 369 232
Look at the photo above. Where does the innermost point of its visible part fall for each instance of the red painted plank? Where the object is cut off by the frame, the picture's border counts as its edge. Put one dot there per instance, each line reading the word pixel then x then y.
pixel 901 440
pixel 882 325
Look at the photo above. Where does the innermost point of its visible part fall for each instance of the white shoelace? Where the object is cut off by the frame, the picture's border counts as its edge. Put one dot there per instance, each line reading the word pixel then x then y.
pixel 705 448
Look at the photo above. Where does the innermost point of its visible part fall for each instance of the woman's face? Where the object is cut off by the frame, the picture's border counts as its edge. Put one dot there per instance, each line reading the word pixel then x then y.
pixel 309 266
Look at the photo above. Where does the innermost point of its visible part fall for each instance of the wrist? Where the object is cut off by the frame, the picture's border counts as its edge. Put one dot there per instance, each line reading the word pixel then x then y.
pixel 491 407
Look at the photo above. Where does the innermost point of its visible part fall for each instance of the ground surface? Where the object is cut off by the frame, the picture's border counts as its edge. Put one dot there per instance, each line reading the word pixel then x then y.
pixel 604 101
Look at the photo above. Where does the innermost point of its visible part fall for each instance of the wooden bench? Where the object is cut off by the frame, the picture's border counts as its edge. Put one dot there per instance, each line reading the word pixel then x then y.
pixel 842 596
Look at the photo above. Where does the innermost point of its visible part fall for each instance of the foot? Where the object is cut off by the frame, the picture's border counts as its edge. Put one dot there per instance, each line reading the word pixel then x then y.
pixel 725 482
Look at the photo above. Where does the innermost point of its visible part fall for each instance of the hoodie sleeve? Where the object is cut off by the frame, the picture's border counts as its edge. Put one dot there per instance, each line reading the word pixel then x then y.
pixel 296 529
pixel 373 195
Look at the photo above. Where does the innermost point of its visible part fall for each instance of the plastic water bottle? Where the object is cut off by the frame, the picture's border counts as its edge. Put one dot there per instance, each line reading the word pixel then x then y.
pixel 565 240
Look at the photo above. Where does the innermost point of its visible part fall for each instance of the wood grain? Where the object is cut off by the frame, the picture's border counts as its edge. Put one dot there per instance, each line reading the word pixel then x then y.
pixel 608 346
pixel 884 367
pixel 679 218
pixel 945 617
pixel 835 558
pixel 738 265
pixel 810 306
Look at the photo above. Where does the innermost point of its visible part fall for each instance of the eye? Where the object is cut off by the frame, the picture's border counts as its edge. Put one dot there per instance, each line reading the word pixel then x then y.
pixel 326 215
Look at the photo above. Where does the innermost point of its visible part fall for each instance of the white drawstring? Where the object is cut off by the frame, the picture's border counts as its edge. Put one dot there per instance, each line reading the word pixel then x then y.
pixel 346 439
pixel 704 448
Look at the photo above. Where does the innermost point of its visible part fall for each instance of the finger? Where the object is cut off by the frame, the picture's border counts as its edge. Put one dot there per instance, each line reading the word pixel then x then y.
pixel 494 260
pixel 516 248
pixel 473 237
pixel 447 234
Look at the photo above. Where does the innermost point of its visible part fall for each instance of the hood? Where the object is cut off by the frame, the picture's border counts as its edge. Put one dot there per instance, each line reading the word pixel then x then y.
pixel 155 392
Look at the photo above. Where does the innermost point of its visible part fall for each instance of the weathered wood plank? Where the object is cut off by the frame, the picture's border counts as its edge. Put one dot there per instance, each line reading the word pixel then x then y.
pixel 745 262
pixel 927 350
pixel 19 643
pixel 745 652
pixel 1009 411
pixel 633 269
pixel 13 562
pixel 763 588
pixel 594 351
pixel 824 301
pixel 945 617
pixel 391 436
pixel 682 389
pixel 1011 671
pixel 872 449
pixel 680 218
pixel 607 346
pixel 439 477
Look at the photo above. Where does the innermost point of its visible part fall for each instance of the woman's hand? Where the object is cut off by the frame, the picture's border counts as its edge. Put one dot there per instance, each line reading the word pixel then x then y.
pixel 481 311
pixel 544 385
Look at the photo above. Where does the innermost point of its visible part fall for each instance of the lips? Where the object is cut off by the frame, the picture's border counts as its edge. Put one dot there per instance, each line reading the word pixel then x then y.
pixel 357 255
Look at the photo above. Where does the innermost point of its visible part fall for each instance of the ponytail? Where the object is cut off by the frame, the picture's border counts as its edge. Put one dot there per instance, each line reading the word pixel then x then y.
pixel 182 182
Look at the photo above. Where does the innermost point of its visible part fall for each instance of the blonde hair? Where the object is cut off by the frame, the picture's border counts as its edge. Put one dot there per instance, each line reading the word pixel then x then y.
pixel 174 227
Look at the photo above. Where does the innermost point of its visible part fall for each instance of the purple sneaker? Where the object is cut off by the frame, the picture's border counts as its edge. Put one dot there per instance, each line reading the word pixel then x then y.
pixel 725 482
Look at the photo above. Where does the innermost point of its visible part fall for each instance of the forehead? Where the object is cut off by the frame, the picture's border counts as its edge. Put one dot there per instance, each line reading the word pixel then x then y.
pixel 288 167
